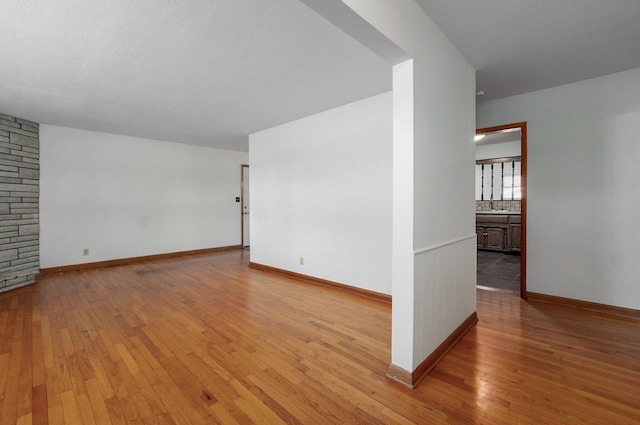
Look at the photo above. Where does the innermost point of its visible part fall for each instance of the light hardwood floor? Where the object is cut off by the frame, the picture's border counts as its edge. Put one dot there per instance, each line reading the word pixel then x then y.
pixel 204 339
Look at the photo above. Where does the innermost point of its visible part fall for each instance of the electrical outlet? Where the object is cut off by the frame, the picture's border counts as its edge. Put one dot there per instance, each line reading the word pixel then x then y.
pixel 302 261
pixel 85 251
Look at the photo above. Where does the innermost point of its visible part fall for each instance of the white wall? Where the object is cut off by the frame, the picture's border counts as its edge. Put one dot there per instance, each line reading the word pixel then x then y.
pixel 321 189
pixel 444 210
pixel 124 197
pixel 434 127
pixel 498 150
pixel 583 239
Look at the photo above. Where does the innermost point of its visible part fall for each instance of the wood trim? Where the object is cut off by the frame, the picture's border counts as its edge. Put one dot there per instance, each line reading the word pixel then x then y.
pixel 412 379
pixel 378 296
pixel 523 211
pixel 523 201
pixel 586 305
pixel 242 167
pixel 123 261
pixel 400 375
pixel 500 127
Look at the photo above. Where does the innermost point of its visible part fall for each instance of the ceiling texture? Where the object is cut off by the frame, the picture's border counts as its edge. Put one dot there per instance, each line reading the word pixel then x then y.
pixel 203 72
pixel 211 72
pixel 519 46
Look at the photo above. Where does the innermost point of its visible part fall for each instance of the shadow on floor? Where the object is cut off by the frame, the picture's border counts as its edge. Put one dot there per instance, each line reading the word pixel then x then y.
pixel 498 270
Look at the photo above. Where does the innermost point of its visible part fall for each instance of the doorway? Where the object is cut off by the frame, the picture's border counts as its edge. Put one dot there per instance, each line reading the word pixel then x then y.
pixel 245 206
pixel 508 235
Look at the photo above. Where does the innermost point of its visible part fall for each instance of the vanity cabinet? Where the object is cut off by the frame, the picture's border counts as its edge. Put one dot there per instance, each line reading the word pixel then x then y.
pixel 514 233
pixel 498 232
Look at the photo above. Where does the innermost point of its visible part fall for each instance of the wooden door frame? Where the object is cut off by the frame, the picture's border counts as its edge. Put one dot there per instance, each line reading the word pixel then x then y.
pixel 242 167
pixel 523 204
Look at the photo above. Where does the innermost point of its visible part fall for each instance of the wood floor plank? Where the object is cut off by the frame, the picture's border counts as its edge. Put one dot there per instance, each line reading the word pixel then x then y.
pixel 97 401
pixel 253 407
pixel 70 407
pixel 85 409
pixel 40 412
pixel 178 405
pixel 12 390
pixel 56 415
pixel 204 339
pixel 222 416
pixel 25 419
pixel 4 373
pixel 284 397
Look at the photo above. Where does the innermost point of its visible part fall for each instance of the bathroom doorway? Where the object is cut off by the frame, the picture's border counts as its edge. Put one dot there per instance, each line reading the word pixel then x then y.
pixel 245 206
pixel 501 207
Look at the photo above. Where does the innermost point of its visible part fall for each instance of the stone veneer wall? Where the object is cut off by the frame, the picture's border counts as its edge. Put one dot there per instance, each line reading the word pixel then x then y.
pixel 19 202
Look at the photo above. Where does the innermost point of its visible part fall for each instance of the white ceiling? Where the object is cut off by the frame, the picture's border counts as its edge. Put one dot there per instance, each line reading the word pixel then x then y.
pixel 203 72
pixel 519 46
pixel 210 72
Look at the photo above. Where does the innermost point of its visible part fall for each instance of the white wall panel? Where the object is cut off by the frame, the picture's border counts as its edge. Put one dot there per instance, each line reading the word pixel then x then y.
pixel 583 239
pixel 122 197
pixel 442 125
pixel 443 276
pixel 321 190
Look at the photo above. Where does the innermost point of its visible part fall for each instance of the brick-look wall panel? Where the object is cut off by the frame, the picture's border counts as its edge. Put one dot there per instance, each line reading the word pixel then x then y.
pixel 19 202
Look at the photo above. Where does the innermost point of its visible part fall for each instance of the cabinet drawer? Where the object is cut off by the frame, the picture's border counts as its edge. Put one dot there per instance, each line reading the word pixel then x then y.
pixel 484 218
pixel 498 232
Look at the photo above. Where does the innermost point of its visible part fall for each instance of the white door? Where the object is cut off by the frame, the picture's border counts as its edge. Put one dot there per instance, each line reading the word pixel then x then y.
pixel 245 206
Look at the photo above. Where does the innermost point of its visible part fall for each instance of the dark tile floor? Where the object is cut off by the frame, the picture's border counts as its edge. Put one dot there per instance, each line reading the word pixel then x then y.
pixel 498 270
